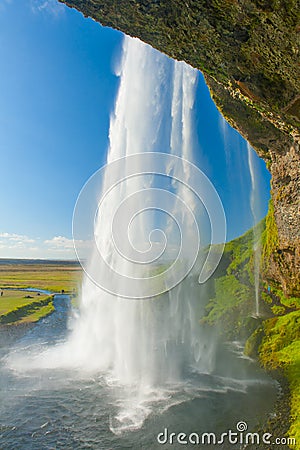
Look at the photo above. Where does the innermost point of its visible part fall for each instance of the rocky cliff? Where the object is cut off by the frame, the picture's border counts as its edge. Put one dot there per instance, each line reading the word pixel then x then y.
pixel 249 54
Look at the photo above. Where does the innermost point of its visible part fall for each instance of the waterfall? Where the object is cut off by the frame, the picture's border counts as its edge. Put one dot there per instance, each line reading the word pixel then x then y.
pixel 223 127
pixel 150 115
pixel 145 345
pixel 138 327
pixel 255 211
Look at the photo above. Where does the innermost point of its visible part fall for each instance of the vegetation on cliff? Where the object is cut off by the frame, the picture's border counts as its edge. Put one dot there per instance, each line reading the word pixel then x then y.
pixel 270 235
pixel 232 300
pixel 280 349
pixel 274 337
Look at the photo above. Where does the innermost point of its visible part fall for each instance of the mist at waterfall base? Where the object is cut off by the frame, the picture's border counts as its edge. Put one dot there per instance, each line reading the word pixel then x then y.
pixel 127 368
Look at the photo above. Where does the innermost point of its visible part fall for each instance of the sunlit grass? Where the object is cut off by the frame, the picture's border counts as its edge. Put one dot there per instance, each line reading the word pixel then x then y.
pixel 38 314
pixel 13 299
pixel 41 276
pixel 15 307
pixel 280 348
pixel 19 307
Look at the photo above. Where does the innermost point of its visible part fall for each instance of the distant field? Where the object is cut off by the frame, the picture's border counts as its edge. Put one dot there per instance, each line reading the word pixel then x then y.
pixel 41 275
pixel 15 308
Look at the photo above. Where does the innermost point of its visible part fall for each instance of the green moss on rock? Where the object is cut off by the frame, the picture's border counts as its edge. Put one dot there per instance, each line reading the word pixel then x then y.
pixel 280 349
pixel 253 342
pixel 232 297
pixel 270 235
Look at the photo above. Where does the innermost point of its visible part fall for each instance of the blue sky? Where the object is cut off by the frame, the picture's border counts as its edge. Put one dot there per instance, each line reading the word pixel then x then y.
pixel 57 92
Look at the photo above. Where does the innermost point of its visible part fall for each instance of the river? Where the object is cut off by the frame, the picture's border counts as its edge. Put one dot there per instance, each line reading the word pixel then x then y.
pixel 66 409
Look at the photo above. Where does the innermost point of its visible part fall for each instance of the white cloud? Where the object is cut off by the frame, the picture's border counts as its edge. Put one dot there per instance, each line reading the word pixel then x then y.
pixel 52 7
pixel 14 245
pixel 61 242
pixel 16 238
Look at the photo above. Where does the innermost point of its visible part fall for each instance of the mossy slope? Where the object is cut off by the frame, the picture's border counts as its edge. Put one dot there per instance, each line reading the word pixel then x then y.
pixel 274 337
pixel 280 349
pixel 232 303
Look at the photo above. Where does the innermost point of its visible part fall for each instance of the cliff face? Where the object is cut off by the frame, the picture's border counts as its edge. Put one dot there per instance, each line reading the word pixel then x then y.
pixel 249 54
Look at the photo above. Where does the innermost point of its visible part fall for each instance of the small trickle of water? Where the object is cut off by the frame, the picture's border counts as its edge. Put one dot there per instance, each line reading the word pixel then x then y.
pixel 255 210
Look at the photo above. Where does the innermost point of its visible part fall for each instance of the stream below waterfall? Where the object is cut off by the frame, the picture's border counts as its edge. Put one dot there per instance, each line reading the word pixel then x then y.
pixel 68 409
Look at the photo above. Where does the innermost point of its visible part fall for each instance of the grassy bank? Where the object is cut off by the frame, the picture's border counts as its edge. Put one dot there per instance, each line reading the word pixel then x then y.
pixel 23 307
pixel 280 349
pixel 273 337
pixel 17 306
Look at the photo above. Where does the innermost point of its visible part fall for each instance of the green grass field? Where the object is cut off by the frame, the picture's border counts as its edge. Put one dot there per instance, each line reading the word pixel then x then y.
pixel 16 307
pixel 51 277
pixel 19 307
pixel 12 299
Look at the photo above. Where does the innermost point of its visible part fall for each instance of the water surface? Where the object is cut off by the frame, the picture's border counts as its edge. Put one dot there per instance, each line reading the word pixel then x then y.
pixel 45 409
